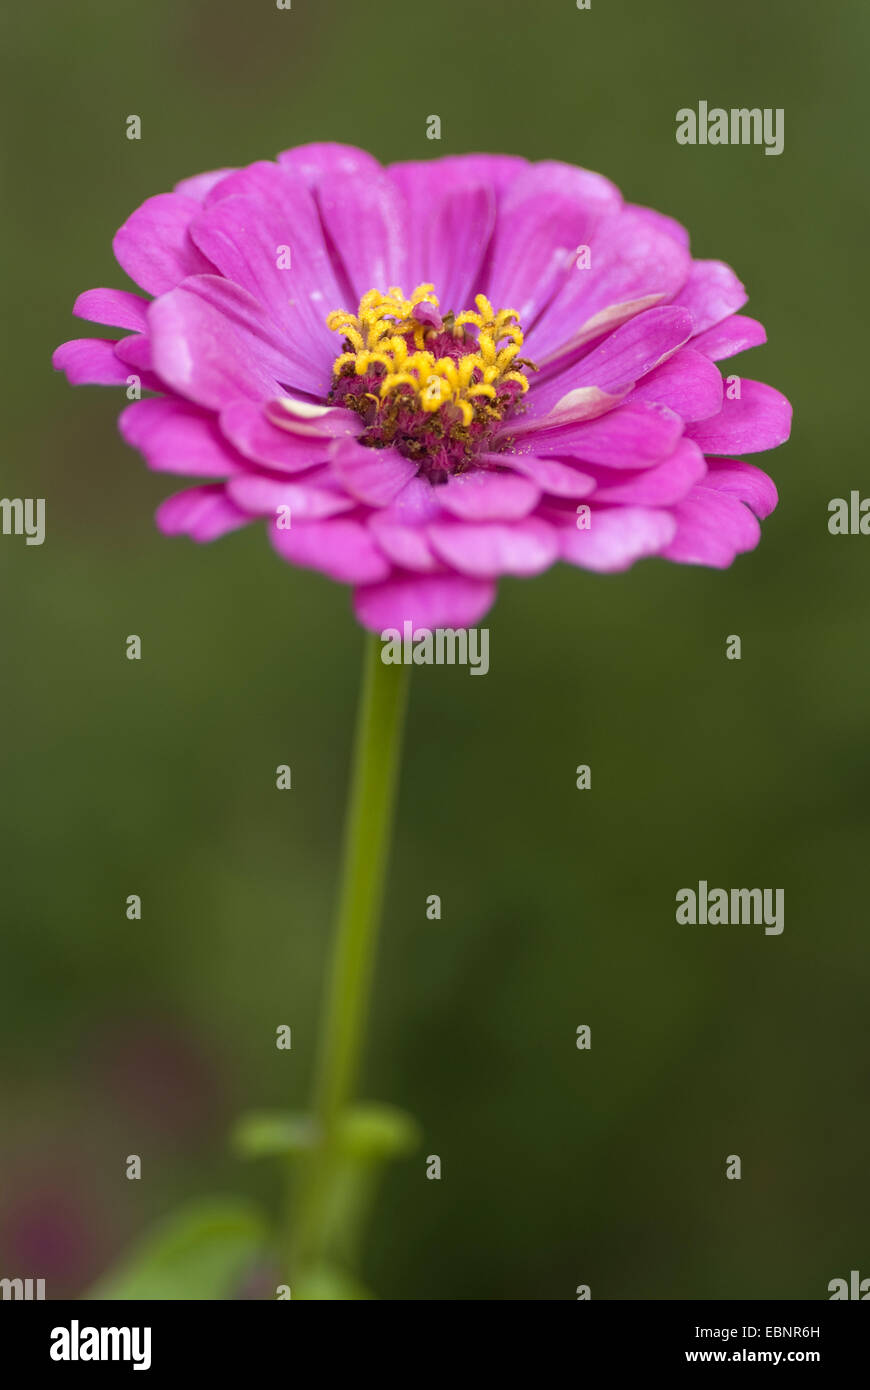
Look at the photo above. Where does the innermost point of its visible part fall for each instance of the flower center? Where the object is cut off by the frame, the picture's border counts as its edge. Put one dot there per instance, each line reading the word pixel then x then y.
pixel 435 388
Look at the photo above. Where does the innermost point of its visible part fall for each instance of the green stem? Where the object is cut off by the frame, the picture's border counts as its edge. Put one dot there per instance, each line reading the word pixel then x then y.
pixel 366 851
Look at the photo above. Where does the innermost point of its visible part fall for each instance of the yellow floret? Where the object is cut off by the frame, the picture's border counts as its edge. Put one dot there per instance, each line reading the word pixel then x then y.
pixel 377 335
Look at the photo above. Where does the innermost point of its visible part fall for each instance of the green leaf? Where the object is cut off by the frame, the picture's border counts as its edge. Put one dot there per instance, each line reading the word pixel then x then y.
pixel 328 1283
pixel 272 1134
pixel 199 1252
pixel 367 1131
pixel 373 1131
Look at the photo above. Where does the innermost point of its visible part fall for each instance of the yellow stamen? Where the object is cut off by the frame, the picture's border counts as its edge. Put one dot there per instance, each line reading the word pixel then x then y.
pixel 386 332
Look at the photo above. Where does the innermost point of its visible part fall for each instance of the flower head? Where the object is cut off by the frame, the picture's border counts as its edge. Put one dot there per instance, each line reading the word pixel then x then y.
pixel 547 390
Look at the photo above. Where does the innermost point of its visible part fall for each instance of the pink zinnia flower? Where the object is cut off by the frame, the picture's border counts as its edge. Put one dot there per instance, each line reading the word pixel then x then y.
pixel 422 380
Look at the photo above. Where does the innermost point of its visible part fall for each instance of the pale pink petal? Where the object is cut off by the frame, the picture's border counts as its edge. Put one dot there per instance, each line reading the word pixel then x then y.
pixel 487 495
pixel 299 417
pixel 745 482
pixel 201 185
pixel 406 545
pixel 118 308
pixel 425 601
pixel 315 161
pixel 661 222
pixel 450 224
pixel 712 528
pixel 240 315
pixel 689 383
pixel 485 549
pixel 374 476
pixel 203 513
pixel 760 419
pixel 415 504
pixel 154 246
pixel 343 549
pixel 246 427
pixel 544 413
pixel 632 262
pixel 711 293
pixel 616 538
pixel 498 171
pixel 136 352
pixel 660 486
pixel 549 210
pixel 634 436
pixel 177 437
pixel 621 359
pixel 202 354
pixel 557 479
pixel 734 334
pixel 367 221
pixel 90 362
pixel 244 235
pixel 309 499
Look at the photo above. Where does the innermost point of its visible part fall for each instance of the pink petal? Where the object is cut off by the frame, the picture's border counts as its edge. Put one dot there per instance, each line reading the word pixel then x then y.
pixel 367 221
pixel 406 545
pixel 298 417
pixel 688 383
pixel 549 211
pixel 342 549
pixel 242 234
pixel 489 548
pixel 734 334
pixel 136 351
pixel 623 358
pixel 563 357
pixel 428 602
pixel 246 427
pixel 119 308
pixel 631 261
pixel 579 403
pixel 745 482
pixel 557 479
pixel 399 528
pixel 660 486
pixel 203 513
pixel 90 362
pixel 314 162
pixel 616 538
pixel 499 172
pixel 711 292
pixel 414 505
pixel 634 436
pixel 307 500
pixel 450 223
pixel 760 419
pixel 154 247
pixel 635 349
pixel 662 222
pixel 200 186
pixel 374 476
pixel 712 528
pixel 176 437
pixel 202 353
pixel 486 495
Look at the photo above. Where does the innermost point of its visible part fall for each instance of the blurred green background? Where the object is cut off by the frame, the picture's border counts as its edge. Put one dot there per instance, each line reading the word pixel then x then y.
pixel 559 1167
